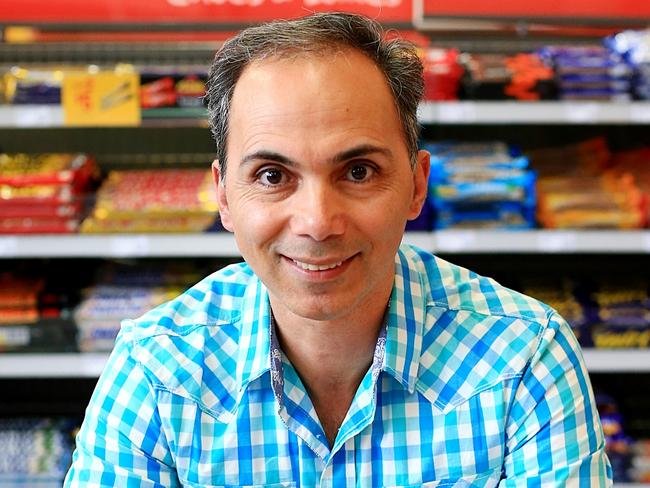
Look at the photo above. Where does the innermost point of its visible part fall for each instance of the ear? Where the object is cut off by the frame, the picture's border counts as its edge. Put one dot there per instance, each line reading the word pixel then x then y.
pixel 222 199
pixel 420 183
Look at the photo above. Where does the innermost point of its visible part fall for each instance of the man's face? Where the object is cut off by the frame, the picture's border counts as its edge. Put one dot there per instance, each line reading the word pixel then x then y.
pixel 319 185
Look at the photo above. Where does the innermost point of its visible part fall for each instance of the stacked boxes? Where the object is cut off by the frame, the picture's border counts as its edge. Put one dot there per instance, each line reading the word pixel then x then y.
pixel 499 77
pixel 634 47
pixel 35 452
pixel 480 185
pixel 159 200
pixel 43 193
pixel 589 73
pixel 577 189
pixel 126 292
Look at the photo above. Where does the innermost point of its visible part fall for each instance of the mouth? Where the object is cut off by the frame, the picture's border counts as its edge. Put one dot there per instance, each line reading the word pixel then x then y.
pixel 322 269
pixel 316 267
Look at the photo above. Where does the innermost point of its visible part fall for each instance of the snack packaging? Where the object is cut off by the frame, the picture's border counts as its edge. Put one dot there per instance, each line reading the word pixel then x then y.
pixel 162 200
pixel 480 185
pixel 442 73
pixel 44 193
pixel 500 77
pixel 589 72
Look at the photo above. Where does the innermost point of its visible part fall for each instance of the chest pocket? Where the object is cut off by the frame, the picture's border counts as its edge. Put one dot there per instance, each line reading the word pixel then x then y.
pixel 288 484
pixel 489 479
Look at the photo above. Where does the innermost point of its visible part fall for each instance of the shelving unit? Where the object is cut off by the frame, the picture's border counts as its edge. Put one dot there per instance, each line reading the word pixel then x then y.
pixel 223 244
pixel 463 112
pixel 543 112
pixel 90 365
pixel 52 116
pixel 461 116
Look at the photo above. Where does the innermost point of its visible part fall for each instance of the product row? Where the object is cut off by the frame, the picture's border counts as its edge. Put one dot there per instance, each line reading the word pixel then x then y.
pixel 618 69
pixel 43 310
pixel 489 185
pixel 61 193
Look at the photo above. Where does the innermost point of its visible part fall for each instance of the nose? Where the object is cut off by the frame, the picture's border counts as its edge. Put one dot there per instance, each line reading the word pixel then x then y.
pixel 318 212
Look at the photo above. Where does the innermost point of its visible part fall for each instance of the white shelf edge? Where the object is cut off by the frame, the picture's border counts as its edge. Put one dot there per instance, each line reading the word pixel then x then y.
pixel 31 116
pixel 219 244
pixel 52 365
pixel 617 360
pixel 542 112
pixel 533 241
pixel 222 244
pixel 90 365
pixel 459 112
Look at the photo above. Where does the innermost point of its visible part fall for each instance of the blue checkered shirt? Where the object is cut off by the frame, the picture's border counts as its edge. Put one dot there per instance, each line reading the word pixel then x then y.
pixel 472 385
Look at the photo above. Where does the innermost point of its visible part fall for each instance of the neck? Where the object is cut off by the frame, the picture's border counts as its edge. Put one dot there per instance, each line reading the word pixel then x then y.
pixel 330 354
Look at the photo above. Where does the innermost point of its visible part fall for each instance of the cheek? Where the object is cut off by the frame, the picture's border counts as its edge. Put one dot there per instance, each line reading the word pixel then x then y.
pixel 255 225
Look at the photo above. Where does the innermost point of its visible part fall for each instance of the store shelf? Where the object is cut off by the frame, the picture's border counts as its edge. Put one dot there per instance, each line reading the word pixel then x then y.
pixel 51 116
pixel 617 360
pixel 31 116
pixel 474 112
pixel 90 365
pixel 560 112
pixel 64 365
pixel 222 244
pixel 533 241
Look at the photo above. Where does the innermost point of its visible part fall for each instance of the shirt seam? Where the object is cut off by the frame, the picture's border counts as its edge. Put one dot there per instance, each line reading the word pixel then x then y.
pixel 187 330
pixel 505 377
pixel 491 313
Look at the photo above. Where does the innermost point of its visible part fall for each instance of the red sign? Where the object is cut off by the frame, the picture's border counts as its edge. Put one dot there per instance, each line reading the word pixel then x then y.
pixel 597 9
pixel 192 11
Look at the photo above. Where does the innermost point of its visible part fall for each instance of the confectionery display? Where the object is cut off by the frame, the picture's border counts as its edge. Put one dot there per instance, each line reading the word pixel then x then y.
pixel 489 178
pixel 165 200
pixel 480 185
pixel 35 452
pixel 126 292
pixel 523 76
pixel 44 193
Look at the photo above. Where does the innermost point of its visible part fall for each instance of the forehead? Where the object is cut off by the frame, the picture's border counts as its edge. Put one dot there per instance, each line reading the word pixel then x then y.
pixel 329 92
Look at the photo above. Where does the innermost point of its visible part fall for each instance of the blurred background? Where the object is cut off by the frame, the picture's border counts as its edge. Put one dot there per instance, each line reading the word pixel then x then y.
pixel 536 115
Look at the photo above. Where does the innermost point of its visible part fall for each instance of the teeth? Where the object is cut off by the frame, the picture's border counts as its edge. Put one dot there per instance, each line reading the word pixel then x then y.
pixel 314 267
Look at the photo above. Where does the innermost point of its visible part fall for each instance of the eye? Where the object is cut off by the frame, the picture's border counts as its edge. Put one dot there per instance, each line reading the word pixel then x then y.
pixel 271 176
pixel 359 172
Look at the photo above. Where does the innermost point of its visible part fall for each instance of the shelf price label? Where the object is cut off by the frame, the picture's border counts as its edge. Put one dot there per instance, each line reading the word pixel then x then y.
pixel 557 241
pixel 455 240
pixel 582 112
pixel 129 246
pixel 8 246
pixel 101 99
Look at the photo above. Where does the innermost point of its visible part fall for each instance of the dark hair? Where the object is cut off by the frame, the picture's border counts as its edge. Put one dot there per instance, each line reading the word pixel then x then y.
pixel 397 59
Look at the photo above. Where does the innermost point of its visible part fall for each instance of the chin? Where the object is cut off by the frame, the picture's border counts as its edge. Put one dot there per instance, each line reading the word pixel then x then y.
pixel 320 311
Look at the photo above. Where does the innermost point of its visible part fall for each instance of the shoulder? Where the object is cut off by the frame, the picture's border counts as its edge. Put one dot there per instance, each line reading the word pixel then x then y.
pixel 184 344
pixel 477 333
pixel 215 300
pixel 455 288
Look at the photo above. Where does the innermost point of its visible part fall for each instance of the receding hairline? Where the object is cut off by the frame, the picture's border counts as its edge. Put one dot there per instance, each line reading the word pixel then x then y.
pixel 316 50
pixel 301 54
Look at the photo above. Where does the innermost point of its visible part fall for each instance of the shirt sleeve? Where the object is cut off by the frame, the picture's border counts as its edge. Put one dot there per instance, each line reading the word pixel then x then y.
pixel 554 437
pixel 121 441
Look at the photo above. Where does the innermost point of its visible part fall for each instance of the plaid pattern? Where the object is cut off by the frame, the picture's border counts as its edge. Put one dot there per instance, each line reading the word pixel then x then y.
pixel 473 385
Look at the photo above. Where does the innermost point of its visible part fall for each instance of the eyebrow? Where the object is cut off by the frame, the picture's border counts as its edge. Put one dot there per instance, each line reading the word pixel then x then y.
pixel 355 152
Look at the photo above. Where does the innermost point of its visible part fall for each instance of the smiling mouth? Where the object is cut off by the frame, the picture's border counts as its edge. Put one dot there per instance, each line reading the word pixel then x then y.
pixel 317 267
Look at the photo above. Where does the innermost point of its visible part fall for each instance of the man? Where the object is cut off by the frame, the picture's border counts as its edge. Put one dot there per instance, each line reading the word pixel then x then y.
pixel 335 357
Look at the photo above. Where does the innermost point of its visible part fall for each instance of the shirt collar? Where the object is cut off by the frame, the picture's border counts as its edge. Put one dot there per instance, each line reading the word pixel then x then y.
pixel 254 339
pixel 406 317
pixel 404 327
